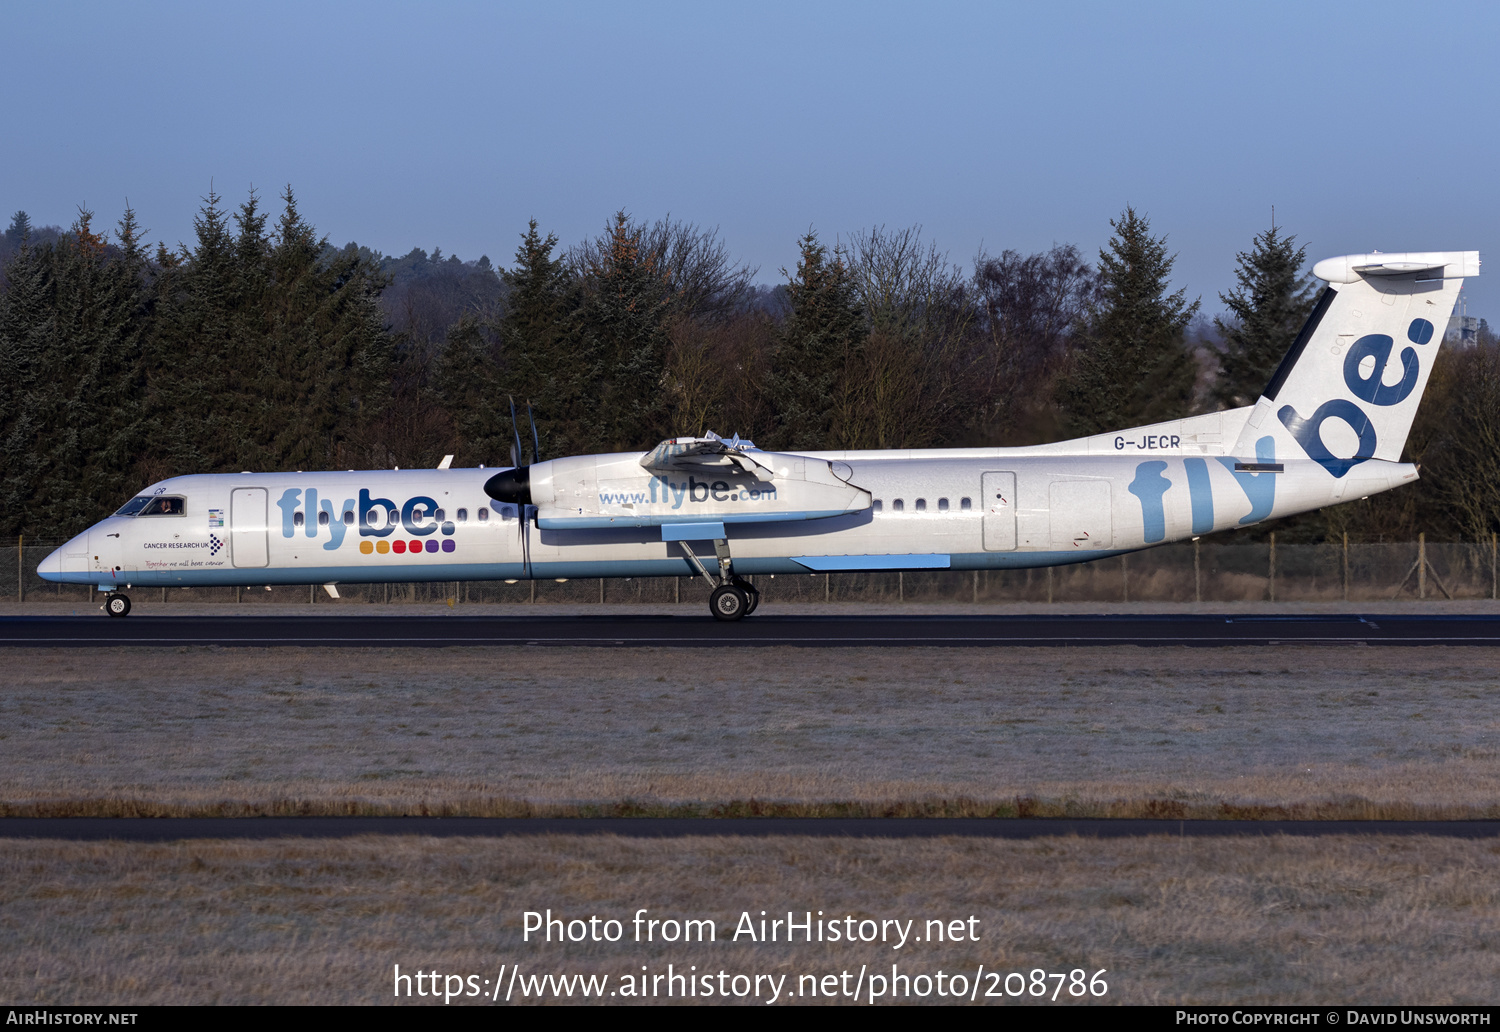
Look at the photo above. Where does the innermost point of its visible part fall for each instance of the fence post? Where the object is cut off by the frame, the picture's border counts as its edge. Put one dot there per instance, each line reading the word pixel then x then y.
pixel 1273 566
pixel 901 587
pixel 1125 578
pixel 1197 572
pixel 1346 566
pixel 1422 564
pixel 601 590
pixel 1494 584
pixel 1049 584
pixel 20 568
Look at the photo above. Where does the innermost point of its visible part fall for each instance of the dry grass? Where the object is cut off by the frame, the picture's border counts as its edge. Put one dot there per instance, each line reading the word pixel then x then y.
pixel 1211 921
pixel 1330 732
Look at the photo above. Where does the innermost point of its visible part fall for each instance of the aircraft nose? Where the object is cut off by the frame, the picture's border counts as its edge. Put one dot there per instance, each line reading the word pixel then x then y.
pixel 51 567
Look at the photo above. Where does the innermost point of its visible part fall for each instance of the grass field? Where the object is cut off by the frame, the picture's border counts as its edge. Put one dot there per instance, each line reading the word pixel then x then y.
pixel 1320 921
pixel 1296 731
pixel 1303 731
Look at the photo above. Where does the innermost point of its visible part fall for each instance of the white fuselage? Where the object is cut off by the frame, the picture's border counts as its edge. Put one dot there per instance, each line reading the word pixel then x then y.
pixel 956 509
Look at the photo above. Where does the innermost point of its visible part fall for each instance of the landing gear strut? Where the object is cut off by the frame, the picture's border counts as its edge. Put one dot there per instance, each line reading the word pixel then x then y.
pixel 733 597
pixel 116 604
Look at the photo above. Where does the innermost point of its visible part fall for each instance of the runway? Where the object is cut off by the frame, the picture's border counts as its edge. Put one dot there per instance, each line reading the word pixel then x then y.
pixel 807 631
pixel 139 829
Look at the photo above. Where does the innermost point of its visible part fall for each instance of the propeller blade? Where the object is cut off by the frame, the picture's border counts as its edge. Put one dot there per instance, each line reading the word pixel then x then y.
pixel 536 444
pixel 515 432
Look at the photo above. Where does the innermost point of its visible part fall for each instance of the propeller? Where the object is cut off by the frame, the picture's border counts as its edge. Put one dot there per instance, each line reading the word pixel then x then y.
pixel 513 486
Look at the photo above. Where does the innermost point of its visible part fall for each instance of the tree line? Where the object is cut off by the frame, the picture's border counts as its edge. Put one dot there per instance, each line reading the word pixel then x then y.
pixel 263 346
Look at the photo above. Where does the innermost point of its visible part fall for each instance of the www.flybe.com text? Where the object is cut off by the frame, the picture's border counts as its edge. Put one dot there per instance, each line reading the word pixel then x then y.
pixel 664 491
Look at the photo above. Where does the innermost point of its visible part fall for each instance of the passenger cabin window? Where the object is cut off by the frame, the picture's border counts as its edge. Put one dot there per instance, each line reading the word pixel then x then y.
pixel 463 515
pixel 921 505
pixel 484 515
pixel 879 505
pixel 324 519
pixel 163 507
pixel 965 504
pixel 297 519
pixel 898 506
pixel 348 517
pixel 942 505
pixel 438 515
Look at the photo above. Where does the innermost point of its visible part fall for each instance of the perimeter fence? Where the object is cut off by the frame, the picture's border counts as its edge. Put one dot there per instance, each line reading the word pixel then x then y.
pixel 1185 572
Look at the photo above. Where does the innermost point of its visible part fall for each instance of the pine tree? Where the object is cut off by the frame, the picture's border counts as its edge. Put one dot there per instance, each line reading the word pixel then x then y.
pixel 1133 367
pixel 27 328
pixel 326 354
pixel 468 383
pixel 70 332
pixel 818 348
pixel 548 361
pixel 20 229
pixel 625 315
pixel 1270 304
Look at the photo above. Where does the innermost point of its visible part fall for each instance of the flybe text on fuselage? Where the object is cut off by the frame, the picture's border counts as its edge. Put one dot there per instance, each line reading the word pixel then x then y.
pixel 419 516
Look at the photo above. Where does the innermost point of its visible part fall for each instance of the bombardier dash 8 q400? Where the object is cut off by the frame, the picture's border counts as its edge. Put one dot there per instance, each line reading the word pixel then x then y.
pixel 1329 428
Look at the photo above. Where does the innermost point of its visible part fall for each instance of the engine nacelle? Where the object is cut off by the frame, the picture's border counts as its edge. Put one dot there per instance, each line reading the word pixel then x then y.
pixel 592 491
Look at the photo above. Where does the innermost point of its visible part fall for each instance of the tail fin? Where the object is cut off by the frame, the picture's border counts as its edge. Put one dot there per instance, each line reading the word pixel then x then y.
pixel 1348 389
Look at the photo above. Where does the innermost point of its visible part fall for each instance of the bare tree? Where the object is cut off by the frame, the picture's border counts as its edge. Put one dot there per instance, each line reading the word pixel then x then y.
pixel 1031 305
pixel 915 380
pixel 699 277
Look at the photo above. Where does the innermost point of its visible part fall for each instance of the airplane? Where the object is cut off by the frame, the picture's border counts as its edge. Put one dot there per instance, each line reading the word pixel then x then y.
pixel 1329 428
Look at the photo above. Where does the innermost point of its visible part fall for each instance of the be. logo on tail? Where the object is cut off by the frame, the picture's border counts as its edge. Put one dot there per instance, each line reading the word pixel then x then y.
pixel 1364 375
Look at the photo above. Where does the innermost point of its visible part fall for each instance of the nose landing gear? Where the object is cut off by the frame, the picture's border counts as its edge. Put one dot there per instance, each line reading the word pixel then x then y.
pixel 116 604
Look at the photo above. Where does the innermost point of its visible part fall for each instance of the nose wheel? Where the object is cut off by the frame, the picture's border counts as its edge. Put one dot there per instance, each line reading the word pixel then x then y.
pixel 116 604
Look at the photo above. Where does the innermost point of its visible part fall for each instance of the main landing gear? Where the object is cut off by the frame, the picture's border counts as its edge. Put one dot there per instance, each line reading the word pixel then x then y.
pixel 117 604
pixel 733 598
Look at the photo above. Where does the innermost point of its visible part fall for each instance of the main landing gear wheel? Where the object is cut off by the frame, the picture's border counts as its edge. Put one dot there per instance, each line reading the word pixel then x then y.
pixel 752 596
pixel 728 603
pixel 116 604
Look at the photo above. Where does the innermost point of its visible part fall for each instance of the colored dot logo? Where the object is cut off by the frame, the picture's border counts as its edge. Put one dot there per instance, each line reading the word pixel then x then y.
pixel 215 545
pixel 403 547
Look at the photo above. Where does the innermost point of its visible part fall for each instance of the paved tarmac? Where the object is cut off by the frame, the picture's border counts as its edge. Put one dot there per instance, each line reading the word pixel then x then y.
pixel 801 630
pixel 138 829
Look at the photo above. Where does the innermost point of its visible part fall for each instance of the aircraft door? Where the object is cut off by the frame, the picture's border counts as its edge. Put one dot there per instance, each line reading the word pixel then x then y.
pixel 998 495
pixel 247 527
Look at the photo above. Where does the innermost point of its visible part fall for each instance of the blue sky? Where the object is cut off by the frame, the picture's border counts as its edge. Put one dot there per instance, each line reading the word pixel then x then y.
pixel 995 125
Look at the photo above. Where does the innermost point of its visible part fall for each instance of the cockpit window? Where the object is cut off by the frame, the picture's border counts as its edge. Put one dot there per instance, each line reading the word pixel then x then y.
pixel 162 506
pixel 135 505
